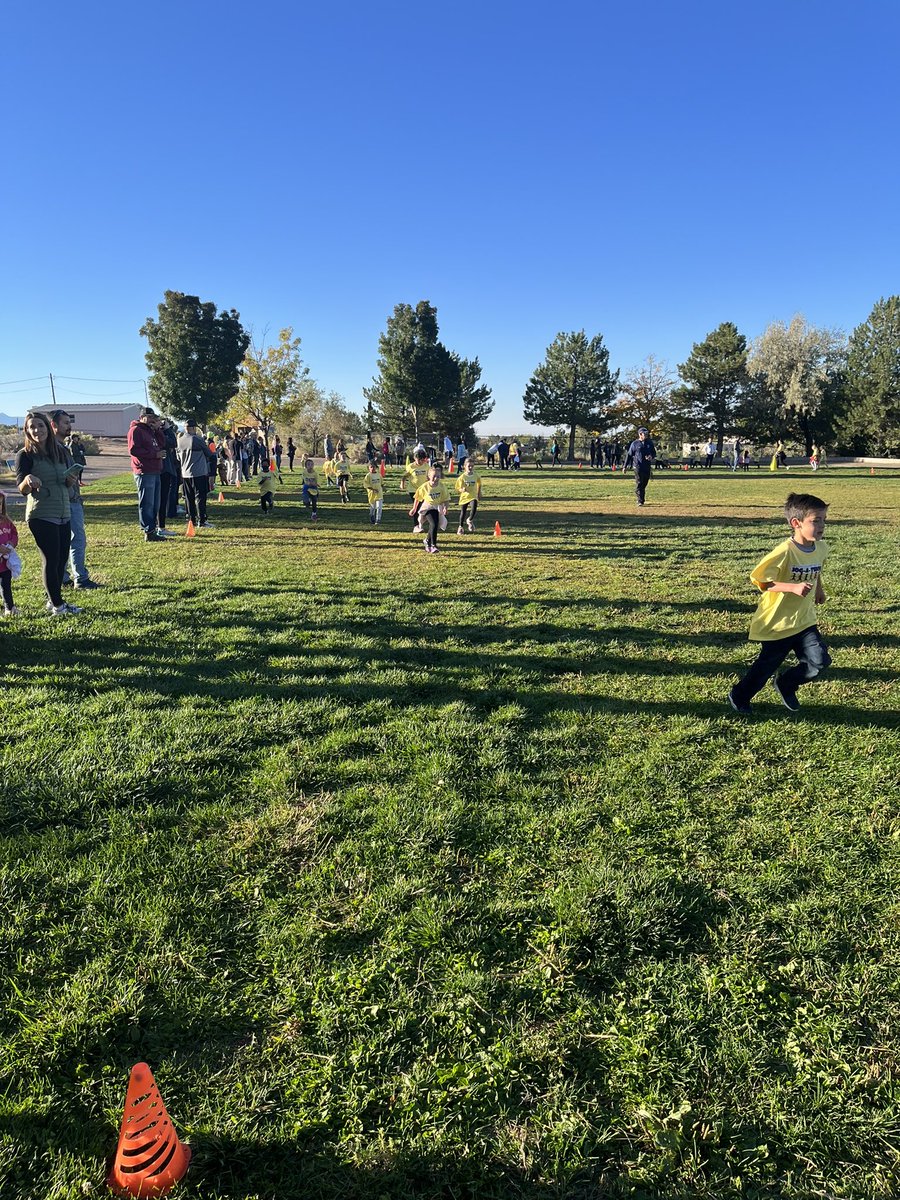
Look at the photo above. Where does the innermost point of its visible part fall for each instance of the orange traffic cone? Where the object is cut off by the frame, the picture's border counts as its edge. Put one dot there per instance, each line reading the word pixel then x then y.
pixel 451 464
pixel 497 530
pixel 614 466
pixel 871 470
pixel 238 484
pixel 191 531
pixel 579 466
pixel 150 1159
pixel 221 497
pixel 381 469
pixel 272 465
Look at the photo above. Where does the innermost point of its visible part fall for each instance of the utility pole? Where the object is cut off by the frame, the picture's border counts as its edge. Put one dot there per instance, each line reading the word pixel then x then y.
pixel 52 391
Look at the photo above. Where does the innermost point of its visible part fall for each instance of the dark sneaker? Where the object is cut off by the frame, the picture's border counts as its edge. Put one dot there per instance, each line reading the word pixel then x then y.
pixel 743 709
pixel 86 585
pixel 788 699
pixel 153 536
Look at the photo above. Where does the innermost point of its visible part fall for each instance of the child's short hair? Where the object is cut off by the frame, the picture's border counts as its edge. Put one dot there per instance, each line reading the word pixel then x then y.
pixel 800 504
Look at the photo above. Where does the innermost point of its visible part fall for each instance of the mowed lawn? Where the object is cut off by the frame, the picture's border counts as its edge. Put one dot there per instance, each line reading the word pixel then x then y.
pixel 454 875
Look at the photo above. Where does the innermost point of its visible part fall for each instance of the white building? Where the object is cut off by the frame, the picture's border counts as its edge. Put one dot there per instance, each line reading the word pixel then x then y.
pixel 101 420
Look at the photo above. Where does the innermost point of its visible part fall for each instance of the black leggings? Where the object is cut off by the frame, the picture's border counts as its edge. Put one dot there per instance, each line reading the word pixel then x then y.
pixel 54 543
pixel 166 485
pixel 467 511
pixel 6 588
pixel 431 520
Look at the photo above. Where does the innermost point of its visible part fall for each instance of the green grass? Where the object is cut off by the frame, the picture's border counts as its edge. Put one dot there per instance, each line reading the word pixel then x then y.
pixel 419 876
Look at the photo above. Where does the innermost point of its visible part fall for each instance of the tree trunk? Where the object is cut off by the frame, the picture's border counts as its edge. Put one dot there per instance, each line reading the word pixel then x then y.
pixel 571 457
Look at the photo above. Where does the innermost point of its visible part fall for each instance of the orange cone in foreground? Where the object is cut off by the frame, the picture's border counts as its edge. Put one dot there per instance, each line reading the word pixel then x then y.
pixel 451 464
pixel 150 1159
pixel 381 469
pixel 190 531
pixel 221 497
pixel 497 530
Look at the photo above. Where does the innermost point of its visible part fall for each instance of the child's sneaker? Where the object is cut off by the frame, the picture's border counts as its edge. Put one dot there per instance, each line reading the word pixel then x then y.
pixel 788 699
pixel 743 709
pixel 427 545
pixel 470 525
pixel 61 610
pixel 10 612
pixel 459 531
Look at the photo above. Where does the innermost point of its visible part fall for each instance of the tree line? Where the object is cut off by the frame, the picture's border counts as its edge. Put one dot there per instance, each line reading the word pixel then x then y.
pixel 795 382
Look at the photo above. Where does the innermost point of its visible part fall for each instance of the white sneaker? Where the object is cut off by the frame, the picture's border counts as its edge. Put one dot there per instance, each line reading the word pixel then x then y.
pixel 164 533
pixel 206 525
pixel 72 609
pixel 61 611
pixel 10 612
pixel 470 526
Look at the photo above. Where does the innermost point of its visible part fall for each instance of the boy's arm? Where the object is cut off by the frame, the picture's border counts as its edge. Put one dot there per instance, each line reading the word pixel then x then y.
pixel 820 591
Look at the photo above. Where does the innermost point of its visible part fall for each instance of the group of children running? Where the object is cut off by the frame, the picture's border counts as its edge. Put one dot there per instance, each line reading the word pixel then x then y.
pixel 424 484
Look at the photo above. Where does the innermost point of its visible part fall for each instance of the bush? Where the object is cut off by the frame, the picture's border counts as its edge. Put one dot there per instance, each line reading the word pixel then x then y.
pixel 89 443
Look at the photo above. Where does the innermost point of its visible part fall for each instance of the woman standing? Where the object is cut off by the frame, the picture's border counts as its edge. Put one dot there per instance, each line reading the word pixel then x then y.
pixel 42 473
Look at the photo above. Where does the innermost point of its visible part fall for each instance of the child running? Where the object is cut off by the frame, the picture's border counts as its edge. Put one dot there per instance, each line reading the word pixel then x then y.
pixel 310 491
pixel 431 503
pixel 266 484
pixel 468 484
pixel 342 474
pixel 9 539
pixel 375 491
pixel 414 476
pixel 790 579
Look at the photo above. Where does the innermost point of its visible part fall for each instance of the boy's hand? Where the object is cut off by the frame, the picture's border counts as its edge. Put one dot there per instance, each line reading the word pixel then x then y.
pixel 820 595
pixel 802 589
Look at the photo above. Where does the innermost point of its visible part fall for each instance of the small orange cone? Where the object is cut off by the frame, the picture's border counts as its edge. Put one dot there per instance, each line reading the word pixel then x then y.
pixel 272 465
pixel 614 466
pixel 150 1158
pixel 871 470
pixel 498 532
pixel 238 484
pixel 221 497
pixel 190 531
pixel 579 466
pixel 451 464
pixel 381 469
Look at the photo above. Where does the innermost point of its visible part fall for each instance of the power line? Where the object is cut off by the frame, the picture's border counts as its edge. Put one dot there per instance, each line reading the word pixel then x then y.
pixel 97 395
pixel 22 391
pixel 82 379
pixel 34 378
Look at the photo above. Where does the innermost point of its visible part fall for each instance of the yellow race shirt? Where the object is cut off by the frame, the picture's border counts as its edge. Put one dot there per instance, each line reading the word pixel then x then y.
pixel 374 488
pixel 311 482
pixel 341 468
pixel 782 614
pixel 266 483
pixel 433 494
pixel 469 487
pixel 415 476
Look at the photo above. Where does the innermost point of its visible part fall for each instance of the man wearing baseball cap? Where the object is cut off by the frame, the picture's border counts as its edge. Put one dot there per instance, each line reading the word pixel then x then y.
pixel 641 455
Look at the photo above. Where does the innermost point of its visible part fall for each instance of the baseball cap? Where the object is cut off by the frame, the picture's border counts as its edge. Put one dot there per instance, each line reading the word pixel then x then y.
pixel 643 429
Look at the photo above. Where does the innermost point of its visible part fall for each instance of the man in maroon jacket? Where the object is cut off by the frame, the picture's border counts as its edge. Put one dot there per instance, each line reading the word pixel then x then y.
pixel 147 444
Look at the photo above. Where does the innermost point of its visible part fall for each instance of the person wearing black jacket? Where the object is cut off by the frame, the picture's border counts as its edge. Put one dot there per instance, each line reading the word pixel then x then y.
pixel 641 455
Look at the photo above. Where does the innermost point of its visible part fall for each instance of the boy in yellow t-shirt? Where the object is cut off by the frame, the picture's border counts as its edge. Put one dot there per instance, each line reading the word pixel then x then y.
pixel 267 485
pixel 431 500
pixel 790 579
pixel 375 492
pixel 468 484
pixel 310 493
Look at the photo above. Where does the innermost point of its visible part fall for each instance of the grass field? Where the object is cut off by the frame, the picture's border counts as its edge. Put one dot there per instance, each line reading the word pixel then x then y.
pixel 420 876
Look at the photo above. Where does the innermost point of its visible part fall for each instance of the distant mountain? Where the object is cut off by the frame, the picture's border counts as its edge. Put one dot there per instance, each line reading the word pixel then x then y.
pixel 7 420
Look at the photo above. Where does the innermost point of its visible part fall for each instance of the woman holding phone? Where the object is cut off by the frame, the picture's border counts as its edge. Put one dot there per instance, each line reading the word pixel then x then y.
pixel 43 473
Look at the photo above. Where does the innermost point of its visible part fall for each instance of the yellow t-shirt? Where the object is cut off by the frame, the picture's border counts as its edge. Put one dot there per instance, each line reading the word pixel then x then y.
pixel 469 487
pixel 311 482
pixel 341 468
pixel 782 614
pixel 415 475
pixel 433 494
pixel 328 468
pixel 374 488
pixel 267 483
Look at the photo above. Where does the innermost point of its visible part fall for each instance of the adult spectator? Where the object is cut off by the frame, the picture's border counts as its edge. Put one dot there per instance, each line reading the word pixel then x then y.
pixel 641 455
pixel 291 453
pixel 737 454
pixel 386 451
pixel 492 452
pixel 710 451
pixel 448 447
pixel 461 452
pixel 503 454
pixel 277 451
pixel 193 457
pixel 370 449
pixel 329 447
pixel 43 474
pixel 75 572
pixel 554 453
pixel 399 448
pixel 233 458
pixel 259 453
pixel 168 480
pixel 148 449
pixel 593 452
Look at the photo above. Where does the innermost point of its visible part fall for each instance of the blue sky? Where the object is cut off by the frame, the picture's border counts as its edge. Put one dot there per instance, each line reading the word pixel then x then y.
pixel 642 171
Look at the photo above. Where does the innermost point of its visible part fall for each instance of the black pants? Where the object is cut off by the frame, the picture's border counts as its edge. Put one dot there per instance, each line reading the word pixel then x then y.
pixel 467 511
pixel 641 478
pixel 166 484
pixel 266 501
pixel 53 542
pixel 195 492
pixel 6 588
pixel 812 659
pixel 431 521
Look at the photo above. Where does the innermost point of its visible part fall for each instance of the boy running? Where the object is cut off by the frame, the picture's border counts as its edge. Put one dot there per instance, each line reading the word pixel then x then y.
pixel 468 484
pixel 790 579
pixel 374 491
